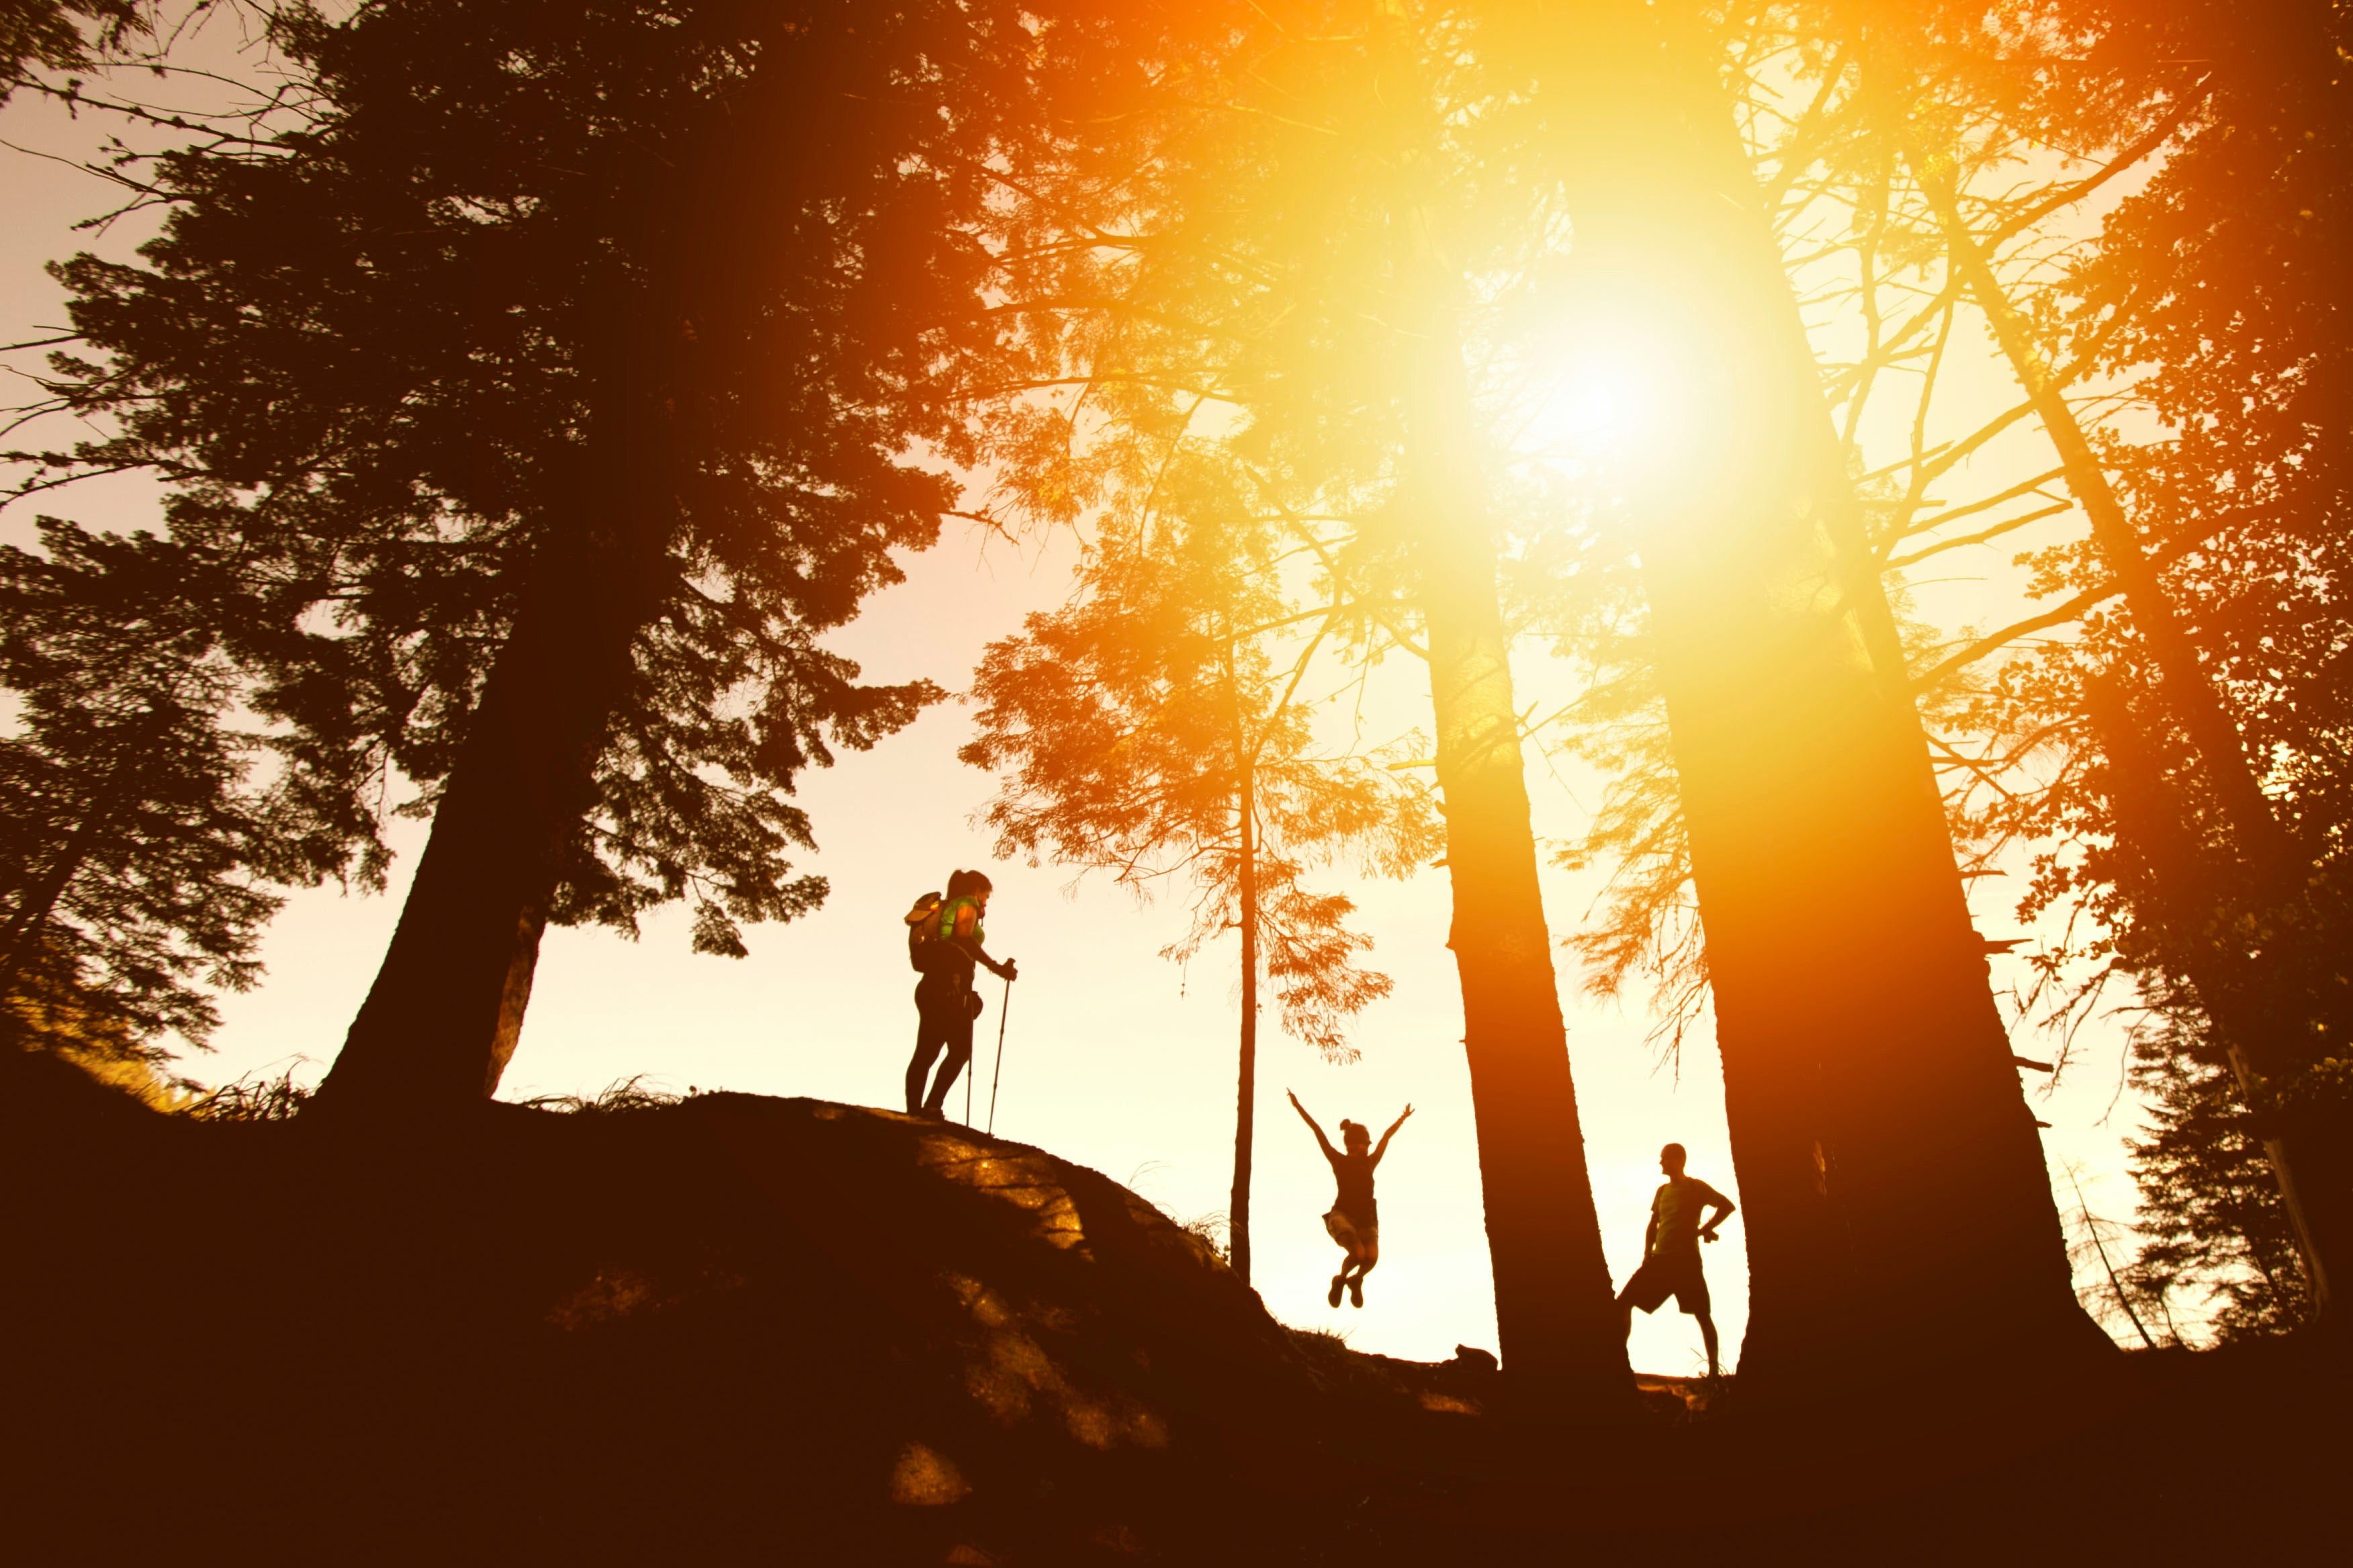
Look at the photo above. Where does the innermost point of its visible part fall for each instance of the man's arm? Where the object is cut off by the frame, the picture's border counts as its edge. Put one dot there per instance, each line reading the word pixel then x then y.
pixel 1321 1141
pixel 1723 1206
pixel 1383 1146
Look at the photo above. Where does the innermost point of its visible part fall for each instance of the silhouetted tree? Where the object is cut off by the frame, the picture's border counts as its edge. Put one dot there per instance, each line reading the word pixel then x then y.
pixel 1868 1075
pixel 552 381
pixel 1154 728
pixel 1290 244
pixel 2219 289
pixel 134 843
pixel 2176 761
pixel 2211 1217
pixel 61 35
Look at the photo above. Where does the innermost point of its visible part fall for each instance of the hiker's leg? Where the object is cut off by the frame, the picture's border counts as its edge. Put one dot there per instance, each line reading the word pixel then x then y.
pixel 951 1069
pixel 959 1044
pixel 1707 1337
pixel 929 1038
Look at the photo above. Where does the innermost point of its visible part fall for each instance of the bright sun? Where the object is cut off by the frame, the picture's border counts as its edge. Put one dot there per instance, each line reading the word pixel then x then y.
pixel 1603 397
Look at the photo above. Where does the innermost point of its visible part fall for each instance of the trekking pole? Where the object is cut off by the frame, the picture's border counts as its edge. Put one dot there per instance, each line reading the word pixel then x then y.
pixel 996 1072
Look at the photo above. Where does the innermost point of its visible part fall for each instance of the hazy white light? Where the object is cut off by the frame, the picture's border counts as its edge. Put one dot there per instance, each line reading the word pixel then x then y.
pixel 1605 396
pixel 1608 401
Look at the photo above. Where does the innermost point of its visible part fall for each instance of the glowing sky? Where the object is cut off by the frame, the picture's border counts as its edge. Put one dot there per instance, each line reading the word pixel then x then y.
pixel 1114 1059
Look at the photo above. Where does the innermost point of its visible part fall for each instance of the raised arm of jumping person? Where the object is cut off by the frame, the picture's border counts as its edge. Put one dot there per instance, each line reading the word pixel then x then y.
pixel 1382 1147
pixel 1323 1143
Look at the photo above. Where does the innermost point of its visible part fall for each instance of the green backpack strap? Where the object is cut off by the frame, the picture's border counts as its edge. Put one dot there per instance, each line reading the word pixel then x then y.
pixel 951 911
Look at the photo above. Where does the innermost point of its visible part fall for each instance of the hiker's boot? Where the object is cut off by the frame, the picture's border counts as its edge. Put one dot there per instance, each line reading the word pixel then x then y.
pixel 1339 1283
pixel 1356 1291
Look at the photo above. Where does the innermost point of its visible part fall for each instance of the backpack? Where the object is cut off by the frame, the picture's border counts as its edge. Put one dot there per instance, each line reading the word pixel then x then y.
pixel 933 920
pixel 923 926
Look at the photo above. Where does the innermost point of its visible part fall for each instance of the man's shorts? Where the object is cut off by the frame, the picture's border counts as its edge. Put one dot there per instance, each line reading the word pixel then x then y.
pixel 1665 1274
pixel 1363 1241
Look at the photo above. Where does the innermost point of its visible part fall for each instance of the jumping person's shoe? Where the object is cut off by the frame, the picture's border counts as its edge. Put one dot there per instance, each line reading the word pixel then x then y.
pixel 1355 1292
pixel 1339 1283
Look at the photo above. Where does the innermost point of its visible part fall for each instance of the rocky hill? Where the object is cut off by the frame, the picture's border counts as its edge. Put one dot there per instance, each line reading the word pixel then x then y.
pixel 742 1325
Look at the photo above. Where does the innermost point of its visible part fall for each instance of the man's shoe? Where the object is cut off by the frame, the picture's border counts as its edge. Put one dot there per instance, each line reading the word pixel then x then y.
pixel 1356 1291
pixel 1338 1284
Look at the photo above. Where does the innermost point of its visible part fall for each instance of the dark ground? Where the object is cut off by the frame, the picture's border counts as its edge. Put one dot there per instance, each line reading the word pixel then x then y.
pixel 743 1328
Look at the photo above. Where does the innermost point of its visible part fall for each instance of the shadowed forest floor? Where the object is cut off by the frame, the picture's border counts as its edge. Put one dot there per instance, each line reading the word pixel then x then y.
pixel 743 1325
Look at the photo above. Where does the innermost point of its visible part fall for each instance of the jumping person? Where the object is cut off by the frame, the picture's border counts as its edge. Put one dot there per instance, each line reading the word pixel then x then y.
pixel 1671 1250
pixel 944 942
pixel 1354 1221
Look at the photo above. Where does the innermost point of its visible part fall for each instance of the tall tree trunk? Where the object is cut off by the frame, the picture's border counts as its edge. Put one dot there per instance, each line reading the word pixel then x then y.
pixel 1554 1313
pixel 2257 1046
pixel 1895 1189
pixel 1246 1091
pixel 441 1020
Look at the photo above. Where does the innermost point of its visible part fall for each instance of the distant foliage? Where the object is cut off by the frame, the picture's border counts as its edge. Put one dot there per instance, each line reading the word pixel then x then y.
pixel 63 35
pixel 139 827
pixel 2211 1223
pixel 1136 728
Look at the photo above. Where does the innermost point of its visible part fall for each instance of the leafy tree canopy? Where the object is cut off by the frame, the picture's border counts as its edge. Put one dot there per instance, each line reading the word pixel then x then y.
pixel 378 352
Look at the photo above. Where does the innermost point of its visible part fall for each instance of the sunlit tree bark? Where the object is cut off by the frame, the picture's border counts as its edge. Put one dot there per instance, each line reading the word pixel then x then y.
pixel 1553 1312
pixel 1890 1173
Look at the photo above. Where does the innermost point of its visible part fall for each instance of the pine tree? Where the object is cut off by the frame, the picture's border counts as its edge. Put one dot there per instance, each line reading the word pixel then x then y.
pixel 1155 728
pixel 552 384
pixel 2174 756
pixel 1867 1073
pixel 1288 243
pixel 137 843
pixel 2211 1217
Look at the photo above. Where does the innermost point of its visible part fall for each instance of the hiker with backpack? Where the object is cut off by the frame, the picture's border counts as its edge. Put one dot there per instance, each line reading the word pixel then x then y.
pixel 1353 1221
pixel 944 946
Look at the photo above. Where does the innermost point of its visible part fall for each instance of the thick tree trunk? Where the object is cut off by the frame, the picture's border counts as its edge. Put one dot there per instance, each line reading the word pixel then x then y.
pixel 443 1017
pixel 1553 1312
pixel 441 1020
pixel 1554 1316
pixel 1893 1185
